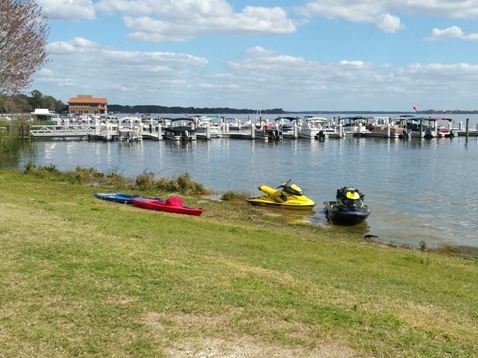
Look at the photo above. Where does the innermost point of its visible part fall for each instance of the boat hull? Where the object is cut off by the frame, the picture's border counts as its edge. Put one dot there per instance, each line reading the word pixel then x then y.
pixel 121 198
pixel 285 198
pixel 152 204
pixel 340 215
pixel 290 204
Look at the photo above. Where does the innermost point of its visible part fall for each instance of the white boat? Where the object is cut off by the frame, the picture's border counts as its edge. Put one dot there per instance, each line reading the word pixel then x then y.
pixel 312 126
pixel 207 127
pixel 288 126
pixel 235 124
pixel 130 134
pixel 355 125
pixel 442 127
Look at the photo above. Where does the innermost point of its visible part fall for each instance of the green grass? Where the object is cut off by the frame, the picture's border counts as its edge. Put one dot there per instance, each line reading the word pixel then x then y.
pixel 86 277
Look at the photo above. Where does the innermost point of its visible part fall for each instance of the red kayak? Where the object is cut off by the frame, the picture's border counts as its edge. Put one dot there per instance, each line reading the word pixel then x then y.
pixel 171 205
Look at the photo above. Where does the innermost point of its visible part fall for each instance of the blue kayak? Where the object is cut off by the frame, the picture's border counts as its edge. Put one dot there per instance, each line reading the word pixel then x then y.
pixel 116 197
pixel 121 198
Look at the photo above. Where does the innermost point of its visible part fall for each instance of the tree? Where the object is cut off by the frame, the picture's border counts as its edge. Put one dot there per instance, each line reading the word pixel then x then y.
pixel 23 36
pixel 37 100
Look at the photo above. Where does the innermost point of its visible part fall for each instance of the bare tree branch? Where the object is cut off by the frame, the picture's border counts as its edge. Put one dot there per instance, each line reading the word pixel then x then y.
pixel 23 36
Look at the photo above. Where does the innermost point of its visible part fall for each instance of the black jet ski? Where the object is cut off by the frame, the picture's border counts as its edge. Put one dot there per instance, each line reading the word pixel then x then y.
pixel 348 209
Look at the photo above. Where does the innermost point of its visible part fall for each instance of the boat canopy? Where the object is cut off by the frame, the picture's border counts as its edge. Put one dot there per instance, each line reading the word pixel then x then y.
pixel 181 120
pixel 353 118
pixel 412 118
pixel 287 118
pixel 434 119
pixel 316 119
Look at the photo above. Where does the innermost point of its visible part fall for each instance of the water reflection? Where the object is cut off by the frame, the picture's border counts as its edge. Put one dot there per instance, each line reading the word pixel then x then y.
pixel 288 215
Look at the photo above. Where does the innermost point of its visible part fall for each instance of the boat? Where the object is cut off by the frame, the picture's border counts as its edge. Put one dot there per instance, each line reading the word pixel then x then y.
pixel 173 204
pixel 235 124
pixel 207 127
pixel 418 127
pixel 266 130
pixel 289 196
pixel 288 126
pixel 353 125
pixel 181 129
pixel 348 209
pixel 442 126
pixel 312 126
pixel 116 197
pixel 383 127
pixel 121 198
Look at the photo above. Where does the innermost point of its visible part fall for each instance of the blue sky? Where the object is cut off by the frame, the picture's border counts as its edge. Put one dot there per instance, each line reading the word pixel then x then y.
pixel 331 55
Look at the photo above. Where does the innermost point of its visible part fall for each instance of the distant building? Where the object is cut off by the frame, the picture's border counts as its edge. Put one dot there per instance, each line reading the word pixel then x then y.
pixel 87 104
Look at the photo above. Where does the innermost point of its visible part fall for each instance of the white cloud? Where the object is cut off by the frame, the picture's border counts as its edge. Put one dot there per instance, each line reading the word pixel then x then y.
pixel 293 79
pixel 380 12
pixel 82 66
pixel 67 9
pixel 295 83
pixel 450 32
pixel 161 20
pixel 373 12
pixel 388 23
pixel 438 8
pixel 363 10
pixel 289 82
pixel 471 37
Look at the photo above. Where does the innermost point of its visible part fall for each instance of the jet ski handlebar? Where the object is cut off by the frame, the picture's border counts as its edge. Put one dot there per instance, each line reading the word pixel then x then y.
pixel 284 185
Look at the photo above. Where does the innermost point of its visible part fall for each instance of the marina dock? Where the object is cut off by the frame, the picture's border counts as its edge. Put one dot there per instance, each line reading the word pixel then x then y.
pixel 135 130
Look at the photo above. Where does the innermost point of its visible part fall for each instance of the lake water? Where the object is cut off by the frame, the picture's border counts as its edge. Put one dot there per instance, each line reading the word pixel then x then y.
pixel 417 190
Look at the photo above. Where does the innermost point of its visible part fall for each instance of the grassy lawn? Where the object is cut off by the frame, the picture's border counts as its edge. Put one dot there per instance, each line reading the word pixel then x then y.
pixel 85 277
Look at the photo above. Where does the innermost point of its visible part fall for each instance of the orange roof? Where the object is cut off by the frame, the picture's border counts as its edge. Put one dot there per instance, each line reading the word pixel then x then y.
pixel 86 99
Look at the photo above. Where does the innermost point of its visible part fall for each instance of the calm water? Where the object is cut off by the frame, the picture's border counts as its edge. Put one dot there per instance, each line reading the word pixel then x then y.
pixel 416 190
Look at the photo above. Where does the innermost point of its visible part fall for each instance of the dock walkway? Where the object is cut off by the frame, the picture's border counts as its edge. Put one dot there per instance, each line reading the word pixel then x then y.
pixel 102 131
pixel 111 131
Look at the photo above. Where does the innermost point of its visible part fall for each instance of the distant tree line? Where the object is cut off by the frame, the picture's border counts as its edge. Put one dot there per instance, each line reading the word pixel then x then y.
pixel 22 103
pixel 117 108
pixel 453 111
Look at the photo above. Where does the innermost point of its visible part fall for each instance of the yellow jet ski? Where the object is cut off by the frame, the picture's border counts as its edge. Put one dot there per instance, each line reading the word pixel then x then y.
pixel 290 196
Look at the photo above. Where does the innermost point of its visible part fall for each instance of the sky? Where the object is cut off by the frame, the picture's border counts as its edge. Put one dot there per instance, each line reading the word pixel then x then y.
pixel 298 55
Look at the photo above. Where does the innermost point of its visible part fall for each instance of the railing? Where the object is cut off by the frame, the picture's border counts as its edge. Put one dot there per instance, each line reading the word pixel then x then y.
pixel 100 131
pixel 61 131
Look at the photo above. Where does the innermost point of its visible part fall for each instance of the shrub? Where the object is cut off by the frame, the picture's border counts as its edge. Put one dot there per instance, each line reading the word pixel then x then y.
pixel 182 183
pixel 448 250
pixel 9 140
pixel 179 184
pixel 234 196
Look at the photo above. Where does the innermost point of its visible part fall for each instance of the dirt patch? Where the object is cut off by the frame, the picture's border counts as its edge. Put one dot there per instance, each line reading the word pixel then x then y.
pixel 189 338
pixel 247 348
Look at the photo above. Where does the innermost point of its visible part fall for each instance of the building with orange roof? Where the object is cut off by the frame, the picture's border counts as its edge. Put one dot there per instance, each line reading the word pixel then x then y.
pixel 87 104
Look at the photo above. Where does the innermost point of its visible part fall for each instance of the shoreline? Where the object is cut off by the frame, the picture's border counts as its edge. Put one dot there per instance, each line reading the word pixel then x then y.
pixel 129 281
